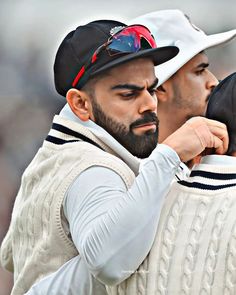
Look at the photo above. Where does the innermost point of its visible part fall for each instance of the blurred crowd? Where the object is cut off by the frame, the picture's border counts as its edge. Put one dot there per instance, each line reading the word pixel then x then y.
pixel 28 102
pixel 25 119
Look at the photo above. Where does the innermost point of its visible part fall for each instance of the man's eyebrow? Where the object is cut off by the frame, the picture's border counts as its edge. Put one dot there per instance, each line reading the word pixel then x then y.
pixel 154 84
pixel 127 86
pixel 133 86
pixel 203 65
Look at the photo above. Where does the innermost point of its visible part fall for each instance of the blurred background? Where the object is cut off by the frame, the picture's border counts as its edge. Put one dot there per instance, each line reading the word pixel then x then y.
pixel 30 33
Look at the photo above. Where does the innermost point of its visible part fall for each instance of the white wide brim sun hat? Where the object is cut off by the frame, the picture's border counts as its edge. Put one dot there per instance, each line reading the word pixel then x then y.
pixel 173 27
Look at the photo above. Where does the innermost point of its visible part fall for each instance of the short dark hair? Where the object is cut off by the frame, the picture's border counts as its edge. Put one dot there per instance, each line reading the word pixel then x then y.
pixel 222 107
pixel 90 84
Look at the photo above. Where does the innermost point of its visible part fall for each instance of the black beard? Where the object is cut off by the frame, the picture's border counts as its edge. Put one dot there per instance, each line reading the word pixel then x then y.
pixel 140 146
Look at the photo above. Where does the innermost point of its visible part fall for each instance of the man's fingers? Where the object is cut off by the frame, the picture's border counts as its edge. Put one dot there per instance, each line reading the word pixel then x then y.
pixel 209 122
pixel 219 146
pixel 204 135
pixel 196 135
pixel 211 133
pixel 222 134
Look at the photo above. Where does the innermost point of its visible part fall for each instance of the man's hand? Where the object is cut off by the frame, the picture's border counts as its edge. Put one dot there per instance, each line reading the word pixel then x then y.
pixel 197 134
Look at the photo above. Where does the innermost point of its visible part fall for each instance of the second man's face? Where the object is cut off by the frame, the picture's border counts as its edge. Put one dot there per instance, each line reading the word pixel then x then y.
pixel 188 93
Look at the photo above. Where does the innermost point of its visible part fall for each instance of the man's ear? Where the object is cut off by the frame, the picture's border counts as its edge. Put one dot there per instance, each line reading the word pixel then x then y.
pixel 80 104
pixel 162 93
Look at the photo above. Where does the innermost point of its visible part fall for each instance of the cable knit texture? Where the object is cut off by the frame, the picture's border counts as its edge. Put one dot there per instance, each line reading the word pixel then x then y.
pixel 194 252
pixel 38 239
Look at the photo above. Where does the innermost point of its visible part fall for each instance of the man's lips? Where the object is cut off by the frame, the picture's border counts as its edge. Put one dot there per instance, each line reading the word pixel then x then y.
pixel 146 126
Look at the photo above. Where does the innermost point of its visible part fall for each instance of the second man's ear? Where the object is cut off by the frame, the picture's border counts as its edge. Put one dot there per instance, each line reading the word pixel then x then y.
pixel 165 91
pixel 80 104
pixel 161 93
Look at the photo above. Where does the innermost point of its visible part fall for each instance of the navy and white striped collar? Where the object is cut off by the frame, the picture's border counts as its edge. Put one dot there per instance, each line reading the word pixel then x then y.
pixel 94 132
pixel 216 176
pixel 72 136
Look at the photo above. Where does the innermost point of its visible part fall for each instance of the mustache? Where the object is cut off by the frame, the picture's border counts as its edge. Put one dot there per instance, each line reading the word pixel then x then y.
pixel 147 118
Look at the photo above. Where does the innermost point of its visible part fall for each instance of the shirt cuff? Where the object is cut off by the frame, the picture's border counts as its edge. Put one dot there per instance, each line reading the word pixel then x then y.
pixel 163 151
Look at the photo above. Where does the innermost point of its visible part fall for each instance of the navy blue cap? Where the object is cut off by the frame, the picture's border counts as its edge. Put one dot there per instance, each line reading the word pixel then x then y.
pixel 79 45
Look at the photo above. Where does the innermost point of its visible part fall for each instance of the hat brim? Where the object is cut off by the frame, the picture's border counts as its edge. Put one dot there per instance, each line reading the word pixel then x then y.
pixel 188 51
pixel 157 55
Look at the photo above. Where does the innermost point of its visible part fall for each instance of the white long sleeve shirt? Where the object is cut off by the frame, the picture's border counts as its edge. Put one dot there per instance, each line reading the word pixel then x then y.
pixel 112 228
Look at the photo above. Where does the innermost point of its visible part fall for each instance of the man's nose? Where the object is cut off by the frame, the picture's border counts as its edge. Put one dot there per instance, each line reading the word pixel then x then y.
pixel 212 81
pixel 148 102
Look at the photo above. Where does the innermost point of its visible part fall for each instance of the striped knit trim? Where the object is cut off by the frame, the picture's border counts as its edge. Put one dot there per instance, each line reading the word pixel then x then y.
pixel 213 175
pixel 67 131
pixel 205 186
pixel 57 140
pixel 210 180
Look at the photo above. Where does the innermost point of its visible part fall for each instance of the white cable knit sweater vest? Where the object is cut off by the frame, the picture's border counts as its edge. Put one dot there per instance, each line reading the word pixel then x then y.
pixel 194 252
pixel 36 241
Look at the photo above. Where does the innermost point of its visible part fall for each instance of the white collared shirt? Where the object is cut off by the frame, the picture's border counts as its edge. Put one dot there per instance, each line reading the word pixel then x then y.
pixel 218 160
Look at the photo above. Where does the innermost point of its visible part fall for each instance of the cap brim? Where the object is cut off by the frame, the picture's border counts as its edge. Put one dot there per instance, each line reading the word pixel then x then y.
pixel 188 51
pixel 157 55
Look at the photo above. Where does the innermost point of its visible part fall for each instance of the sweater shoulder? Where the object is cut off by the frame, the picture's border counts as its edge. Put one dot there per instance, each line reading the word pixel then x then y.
pixel 83 155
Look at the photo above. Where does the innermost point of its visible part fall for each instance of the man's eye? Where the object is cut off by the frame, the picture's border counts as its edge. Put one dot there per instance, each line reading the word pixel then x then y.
pixel 201 71
pixel 128 94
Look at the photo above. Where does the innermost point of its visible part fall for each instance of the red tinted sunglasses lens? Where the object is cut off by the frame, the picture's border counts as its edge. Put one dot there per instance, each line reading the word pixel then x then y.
pixel 144 32
pixel 131 39
pixel 123 44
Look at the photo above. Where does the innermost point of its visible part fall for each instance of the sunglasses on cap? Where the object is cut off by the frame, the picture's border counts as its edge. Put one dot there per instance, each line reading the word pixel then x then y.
pixel 130 39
